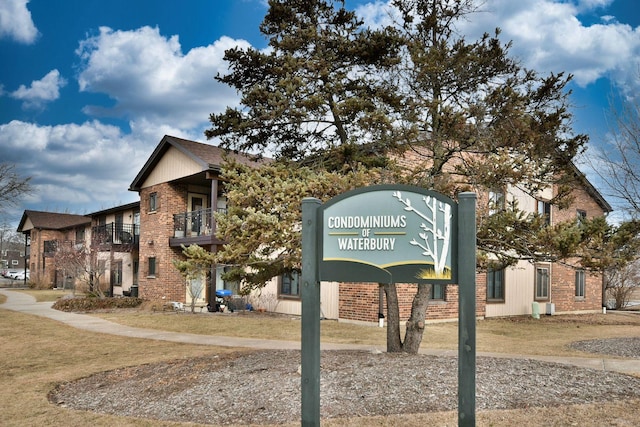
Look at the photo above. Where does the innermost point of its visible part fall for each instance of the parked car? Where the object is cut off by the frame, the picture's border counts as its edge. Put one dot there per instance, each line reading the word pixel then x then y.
pixel 10 273
pixel 22 275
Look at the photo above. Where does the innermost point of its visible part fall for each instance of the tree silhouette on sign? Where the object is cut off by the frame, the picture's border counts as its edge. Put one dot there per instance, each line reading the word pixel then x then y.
pixel 431 234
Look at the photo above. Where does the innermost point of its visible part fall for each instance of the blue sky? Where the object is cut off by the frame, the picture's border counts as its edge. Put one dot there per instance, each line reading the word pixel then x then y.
pixel 88 88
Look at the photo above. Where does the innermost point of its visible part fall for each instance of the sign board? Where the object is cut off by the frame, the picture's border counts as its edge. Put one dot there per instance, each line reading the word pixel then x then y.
pixel 389 234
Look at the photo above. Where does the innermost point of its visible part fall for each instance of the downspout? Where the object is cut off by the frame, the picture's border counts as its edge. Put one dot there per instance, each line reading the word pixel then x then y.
pixel 25 259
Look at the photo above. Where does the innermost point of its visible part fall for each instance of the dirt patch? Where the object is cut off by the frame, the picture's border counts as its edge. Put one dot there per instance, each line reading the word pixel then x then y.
pixel 263 387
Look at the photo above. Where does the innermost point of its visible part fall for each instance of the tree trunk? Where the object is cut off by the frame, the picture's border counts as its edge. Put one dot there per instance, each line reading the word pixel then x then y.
pixel 416 322
pixel 394 345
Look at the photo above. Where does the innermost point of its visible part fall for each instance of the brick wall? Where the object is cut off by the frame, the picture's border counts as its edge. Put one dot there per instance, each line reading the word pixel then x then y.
pixel 155 230
pixel 360 302
pixel 563 276
pixel 563 290
pixel 42 269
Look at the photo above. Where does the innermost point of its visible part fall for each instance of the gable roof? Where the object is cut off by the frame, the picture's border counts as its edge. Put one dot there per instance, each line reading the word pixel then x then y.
pixel 208 156
pixel 121 208
pixel 591 190
pixel 52 220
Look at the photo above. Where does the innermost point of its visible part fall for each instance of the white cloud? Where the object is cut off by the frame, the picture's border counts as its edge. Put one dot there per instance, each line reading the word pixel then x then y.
pixel 15 21
pixel 548 37
pixel 76 168
pixel 45 90
pixel 150 78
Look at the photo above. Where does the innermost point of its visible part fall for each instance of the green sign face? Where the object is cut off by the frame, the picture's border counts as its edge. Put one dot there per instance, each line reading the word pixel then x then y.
pixel 389 234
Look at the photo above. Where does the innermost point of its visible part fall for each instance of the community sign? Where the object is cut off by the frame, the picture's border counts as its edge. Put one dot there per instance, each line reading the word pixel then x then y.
pixel 389 234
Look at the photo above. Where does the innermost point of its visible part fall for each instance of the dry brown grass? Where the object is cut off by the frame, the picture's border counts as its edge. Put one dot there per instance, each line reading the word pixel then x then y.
pixel 38 353
pixel 524 335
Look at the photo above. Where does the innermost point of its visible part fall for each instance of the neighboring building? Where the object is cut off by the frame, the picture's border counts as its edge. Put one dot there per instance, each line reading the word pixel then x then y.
pixel 12 259
pixel 109 237
pixel 45 233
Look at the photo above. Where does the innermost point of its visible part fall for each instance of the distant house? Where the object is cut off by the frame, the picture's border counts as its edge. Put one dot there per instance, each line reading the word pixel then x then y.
pixel 45 233
pixel 110 238
pixel 13 259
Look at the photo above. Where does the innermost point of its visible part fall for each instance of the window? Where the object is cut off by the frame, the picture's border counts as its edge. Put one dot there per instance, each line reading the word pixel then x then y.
pixel 232 285
pixel 495 285
pixel 152 266
pixel 80 235
pixel 50 246
pixel 154 203
pixel 437 292
pixel 580 283
pixel 544 210
pixel 582 215
pixel 14 262
pixel 116 274
pixel 290 284
pixel 542 282
pixel 496 201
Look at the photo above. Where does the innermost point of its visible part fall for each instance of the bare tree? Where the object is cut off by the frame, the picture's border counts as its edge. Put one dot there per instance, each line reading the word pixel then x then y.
pixel 621 283
pixel 194 268
pixel 618 162
pixel 12 186
pixel 81 264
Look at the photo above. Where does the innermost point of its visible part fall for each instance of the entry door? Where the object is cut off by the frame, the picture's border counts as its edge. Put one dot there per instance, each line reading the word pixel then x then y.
pixel 196 289
pixel 197 203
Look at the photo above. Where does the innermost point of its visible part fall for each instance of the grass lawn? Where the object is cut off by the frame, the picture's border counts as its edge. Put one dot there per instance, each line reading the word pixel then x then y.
pixel 38 353
pixel 549 335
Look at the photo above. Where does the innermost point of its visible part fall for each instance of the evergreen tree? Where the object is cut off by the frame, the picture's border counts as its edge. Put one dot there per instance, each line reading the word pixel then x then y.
pixel 333 94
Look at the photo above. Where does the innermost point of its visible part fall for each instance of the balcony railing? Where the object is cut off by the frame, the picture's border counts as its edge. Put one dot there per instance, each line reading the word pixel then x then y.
pixel 53 246
pixel 115 234
pixel 194 223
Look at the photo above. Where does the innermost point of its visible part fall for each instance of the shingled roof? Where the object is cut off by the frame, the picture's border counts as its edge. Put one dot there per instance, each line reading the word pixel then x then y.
pixel 52 220
pixel 208 156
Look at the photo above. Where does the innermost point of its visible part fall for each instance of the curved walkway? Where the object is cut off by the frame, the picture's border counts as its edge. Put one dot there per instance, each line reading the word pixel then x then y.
pixel 24 303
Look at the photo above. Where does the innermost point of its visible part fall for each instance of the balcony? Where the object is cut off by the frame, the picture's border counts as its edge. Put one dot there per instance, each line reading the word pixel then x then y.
pixel 195 227
pixel 51 247
pixel 114 235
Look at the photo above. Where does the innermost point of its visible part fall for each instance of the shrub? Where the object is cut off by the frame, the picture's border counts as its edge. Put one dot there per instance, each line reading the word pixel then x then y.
pixel 39 283
pixel 89 304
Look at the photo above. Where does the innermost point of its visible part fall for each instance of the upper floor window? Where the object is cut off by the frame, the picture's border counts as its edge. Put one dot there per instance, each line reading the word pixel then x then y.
pixel 290 284
pixel 50 246
pixel 581 215
pixel 495 285
pixel 79 235
pixel 496 201
pixel 154 202
pixel 544 210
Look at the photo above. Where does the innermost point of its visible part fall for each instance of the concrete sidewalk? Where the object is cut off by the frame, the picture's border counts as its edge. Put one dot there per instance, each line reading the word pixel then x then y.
pixel 21 302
